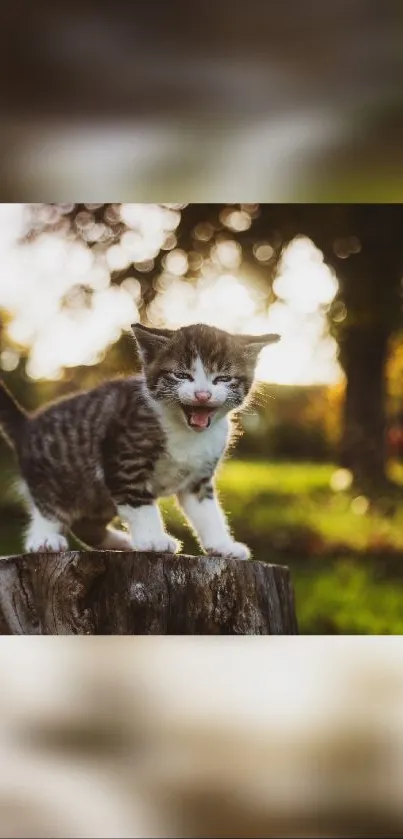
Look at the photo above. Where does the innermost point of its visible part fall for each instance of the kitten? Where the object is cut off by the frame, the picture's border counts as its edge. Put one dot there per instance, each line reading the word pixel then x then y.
pixel 116 449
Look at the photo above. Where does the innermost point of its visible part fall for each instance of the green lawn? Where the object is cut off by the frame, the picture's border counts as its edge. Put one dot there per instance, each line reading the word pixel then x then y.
pixel 290 507
pixel 344 556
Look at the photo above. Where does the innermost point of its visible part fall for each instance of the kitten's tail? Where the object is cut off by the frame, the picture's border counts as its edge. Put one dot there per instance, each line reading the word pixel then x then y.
pixel 13 418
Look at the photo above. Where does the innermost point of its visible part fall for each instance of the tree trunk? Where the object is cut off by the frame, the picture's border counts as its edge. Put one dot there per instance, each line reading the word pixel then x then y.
pixel 123 593
pixel 363 448
pixel 364 248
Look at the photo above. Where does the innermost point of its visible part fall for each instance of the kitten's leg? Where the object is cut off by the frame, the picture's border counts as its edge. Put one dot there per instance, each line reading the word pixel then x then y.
pixel 146 528
pixel 202 508
pixel 97 533
pixel 44 534
pixel 130 486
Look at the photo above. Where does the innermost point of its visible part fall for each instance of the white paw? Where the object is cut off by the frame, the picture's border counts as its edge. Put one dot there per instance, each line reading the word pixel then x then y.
pixel 159 544
pixel 54 543
pixel 235 550
pixel 116 540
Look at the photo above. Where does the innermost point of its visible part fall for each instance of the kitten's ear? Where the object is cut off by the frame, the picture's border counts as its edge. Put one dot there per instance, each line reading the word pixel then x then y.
pixel 253 344
pixel 150 341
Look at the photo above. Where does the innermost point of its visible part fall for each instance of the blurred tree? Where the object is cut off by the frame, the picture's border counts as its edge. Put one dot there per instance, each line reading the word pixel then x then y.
pixel 369 244
pixel 363 244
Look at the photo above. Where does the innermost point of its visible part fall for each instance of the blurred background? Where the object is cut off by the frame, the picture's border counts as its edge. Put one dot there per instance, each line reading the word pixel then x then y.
pixel 316 480
pixel 276 101
pixel 212 737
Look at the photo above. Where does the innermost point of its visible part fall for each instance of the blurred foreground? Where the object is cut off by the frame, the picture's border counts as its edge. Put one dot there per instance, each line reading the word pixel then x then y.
pixel 201 737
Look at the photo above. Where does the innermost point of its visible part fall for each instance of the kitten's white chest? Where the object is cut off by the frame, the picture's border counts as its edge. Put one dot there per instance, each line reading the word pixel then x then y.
pixel 188 456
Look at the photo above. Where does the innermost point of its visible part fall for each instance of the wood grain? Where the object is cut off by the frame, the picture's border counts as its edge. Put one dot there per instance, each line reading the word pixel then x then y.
pixel 127 593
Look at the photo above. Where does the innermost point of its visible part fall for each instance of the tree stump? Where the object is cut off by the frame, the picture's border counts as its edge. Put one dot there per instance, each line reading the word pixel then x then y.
pixel 127 593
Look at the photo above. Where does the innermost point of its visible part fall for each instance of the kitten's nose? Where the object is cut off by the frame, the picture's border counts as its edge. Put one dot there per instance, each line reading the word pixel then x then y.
pixel 202 395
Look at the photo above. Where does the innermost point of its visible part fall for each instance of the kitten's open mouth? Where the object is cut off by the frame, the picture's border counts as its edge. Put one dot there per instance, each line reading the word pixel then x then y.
pixel 198 418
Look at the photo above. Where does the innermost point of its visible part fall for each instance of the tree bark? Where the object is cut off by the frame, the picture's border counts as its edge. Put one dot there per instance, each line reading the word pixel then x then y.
pixel 125 593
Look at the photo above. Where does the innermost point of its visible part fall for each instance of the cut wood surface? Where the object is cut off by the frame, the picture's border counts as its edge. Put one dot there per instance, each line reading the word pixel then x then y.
pixel 128 593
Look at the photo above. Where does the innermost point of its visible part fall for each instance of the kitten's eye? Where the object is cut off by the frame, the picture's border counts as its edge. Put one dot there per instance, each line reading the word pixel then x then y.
pixel 170 374
pixel 184 377
pixel 219 379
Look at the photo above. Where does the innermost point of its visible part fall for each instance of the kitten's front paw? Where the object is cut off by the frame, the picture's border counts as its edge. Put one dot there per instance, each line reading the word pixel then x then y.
pixel 234 550
pixel 158 544
pixel 54 543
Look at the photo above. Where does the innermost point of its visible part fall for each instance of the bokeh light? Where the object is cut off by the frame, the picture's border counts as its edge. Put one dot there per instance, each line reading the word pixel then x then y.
pixel 63 308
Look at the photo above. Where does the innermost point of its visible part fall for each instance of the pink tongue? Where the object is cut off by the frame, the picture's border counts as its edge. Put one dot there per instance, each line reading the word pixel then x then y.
pixel 200 418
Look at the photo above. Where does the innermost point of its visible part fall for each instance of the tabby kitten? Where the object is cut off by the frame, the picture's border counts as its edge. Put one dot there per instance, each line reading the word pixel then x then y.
pixel 116 449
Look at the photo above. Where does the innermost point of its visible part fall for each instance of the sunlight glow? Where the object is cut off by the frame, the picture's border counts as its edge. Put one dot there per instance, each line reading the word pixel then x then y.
pixel 304 281
pixel 305 287
pixel 176 262
pixel 220 300
pixel 60 303
pixel 80 337
pixel 35 278
pixel 228 254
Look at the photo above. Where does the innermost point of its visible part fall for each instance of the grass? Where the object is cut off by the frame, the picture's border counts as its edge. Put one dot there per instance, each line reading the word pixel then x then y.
pixel 344 556
pixel 291 507
pixel 348 599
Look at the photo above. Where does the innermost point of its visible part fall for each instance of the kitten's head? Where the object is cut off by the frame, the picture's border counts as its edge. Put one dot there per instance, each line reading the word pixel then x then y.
pixel 200 372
